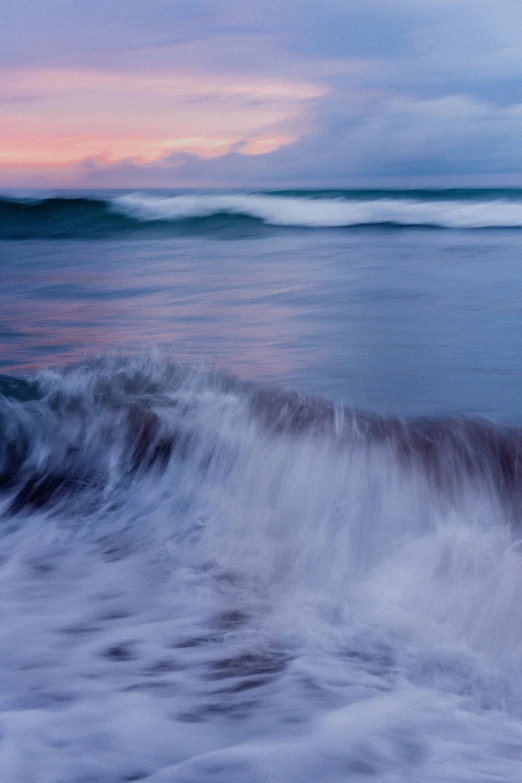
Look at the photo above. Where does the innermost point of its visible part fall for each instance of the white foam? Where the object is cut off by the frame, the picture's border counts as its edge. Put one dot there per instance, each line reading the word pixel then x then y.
pixel 325 212
pixel 281 610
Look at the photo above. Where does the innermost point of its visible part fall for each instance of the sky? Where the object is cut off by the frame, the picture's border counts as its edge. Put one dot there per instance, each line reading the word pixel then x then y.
pixel 293 93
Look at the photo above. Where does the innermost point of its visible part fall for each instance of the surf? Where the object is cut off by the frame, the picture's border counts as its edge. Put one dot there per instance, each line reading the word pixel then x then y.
pixel 241 213
pixel 250 576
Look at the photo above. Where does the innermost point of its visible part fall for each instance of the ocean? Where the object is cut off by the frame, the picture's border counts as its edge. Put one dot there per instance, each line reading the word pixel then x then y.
pixel 260 486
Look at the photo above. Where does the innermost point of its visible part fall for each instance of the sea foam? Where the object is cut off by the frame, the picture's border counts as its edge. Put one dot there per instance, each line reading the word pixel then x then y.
pixel 236 213
pixel 204 579
pixel 307 212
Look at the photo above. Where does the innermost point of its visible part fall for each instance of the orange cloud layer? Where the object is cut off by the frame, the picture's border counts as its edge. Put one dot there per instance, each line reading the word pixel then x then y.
pixel 56 117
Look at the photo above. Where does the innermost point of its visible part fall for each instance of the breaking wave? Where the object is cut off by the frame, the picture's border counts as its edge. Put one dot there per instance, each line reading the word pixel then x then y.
pixel 203 578
pixel 240 213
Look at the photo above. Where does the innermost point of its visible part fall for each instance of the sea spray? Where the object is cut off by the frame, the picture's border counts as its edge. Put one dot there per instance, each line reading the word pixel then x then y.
pixel 208 579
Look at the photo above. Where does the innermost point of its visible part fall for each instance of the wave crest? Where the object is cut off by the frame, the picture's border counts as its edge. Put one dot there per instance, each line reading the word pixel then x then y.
pixel 306 212
pixel 96 424
pixel 237 214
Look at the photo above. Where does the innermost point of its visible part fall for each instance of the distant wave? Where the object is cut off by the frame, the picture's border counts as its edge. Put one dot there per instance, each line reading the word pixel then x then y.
pixel 339 212
pixel 232 213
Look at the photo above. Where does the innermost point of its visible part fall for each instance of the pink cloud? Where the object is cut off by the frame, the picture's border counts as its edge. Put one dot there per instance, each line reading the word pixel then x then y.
pixel 63 116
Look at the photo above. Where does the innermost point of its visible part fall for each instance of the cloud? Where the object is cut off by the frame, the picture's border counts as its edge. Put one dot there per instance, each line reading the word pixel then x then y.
pixel 395 87
pixel 401 138
pixel 118 115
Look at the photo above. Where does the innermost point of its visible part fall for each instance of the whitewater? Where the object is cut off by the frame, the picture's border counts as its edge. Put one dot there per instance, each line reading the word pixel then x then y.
pixel 208 579
pixel 107 213
pixel 327 210
pixel 260 486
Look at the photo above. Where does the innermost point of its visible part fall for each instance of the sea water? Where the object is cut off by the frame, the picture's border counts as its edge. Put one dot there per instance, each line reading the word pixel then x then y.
pixel 260 487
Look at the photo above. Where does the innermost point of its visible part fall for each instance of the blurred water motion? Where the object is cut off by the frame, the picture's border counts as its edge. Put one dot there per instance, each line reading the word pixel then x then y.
pixel 401 322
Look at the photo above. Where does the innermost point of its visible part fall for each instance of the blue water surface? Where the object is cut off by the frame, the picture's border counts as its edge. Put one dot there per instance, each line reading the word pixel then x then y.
pixel 410 321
